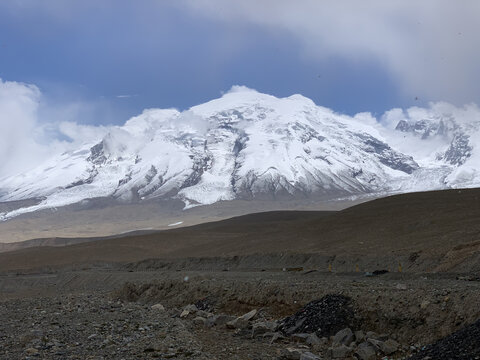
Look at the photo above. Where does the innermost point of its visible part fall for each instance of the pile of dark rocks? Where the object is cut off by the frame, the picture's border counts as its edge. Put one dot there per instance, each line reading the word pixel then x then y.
pixel 324 317
pixel 463 344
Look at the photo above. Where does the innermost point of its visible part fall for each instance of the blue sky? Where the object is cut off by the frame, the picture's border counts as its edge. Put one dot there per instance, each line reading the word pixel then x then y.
pixel 115 58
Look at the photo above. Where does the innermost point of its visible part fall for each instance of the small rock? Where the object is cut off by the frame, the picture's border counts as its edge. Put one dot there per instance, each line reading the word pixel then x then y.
pixel 249 316
pixel 192 308
pixel 389 347
pixel 313 339
pixel 377 344
pixel 291 354
pixel 241 322
pixel 221 319
pixel 359 336
pixel 401 286
pixel 189 309
pixel 237 323
pixel 159 307
pixel 31 351
pixel 343 337
pixel 200 321
pixel 299 337
pixel 275 336
pixel 339 352
pixel 365 351
pixel 424 304
pixel 263 327
pixel 203 313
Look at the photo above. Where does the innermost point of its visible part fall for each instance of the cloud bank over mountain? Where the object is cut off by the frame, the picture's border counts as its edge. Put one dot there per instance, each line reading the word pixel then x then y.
pixel 428 47
pixel 28 137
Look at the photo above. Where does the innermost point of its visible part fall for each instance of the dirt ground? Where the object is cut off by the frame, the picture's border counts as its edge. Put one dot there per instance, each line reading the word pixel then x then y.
pixel 98 312
pixel 407 268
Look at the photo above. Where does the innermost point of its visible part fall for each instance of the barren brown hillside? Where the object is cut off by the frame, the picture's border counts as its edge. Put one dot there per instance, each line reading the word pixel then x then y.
pixel 429 231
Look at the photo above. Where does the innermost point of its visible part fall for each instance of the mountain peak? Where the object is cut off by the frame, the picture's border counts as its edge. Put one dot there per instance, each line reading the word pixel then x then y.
pixel 245 145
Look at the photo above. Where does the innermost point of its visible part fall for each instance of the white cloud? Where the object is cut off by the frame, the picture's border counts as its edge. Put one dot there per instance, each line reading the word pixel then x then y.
pixel 240 88
pixel 429 46
pixel 26 138
pixel 80 133
pixel 18 126
pixel 126 96
pixel 392 117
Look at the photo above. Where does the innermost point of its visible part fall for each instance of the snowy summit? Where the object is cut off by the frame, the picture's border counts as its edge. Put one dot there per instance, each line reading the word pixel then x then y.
pixel 247 145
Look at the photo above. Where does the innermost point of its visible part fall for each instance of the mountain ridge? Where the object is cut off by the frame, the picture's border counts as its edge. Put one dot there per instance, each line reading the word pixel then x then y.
pixel 246 145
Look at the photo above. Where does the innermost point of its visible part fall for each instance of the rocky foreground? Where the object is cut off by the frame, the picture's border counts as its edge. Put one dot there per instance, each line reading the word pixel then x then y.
pixel 97 327
pixel 94 314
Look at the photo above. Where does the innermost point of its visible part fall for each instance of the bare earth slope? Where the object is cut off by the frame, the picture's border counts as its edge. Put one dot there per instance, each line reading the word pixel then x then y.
pixel 105 217
pixel 430 231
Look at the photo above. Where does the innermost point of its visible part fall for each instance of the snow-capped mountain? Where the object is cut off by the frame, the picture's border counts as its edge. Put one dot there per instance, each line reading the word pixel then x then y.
pixel 248 144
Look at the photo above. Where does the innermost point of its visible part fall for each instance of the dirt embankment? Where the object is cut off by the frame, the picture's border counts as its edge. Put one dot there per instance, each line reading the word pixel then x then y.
pixel 104 311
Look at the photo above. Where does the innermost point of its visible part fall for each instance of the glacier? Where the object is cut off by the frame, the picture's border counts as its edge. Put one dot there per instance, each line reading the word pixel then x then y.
pixel 248 145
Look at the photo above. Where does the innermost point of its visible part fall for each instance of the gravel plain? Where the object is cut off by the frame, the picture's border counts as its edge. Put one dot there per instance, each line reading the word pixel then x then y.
pixel 119 314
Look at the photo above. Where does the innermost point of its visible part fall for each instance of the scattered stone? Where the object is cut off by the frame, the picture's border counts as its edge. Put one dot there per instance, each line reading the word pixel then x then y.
pixel 375 343
pixel 184 313
pixel 389 347
pixel 189 309
pixel 375 336
pixel 365 351
pixel 291 354
pixel 343 337
pixel 275 336
pixel 204 314
pixel 300 337
pixel 200 321
pixel 359 336
pixel 339 352
pixel 313 339
pixel 237 323
pixel 192 308
pixel 31 351
pixel 159 307
pixel 401 286
pixel 262 327
pixel 221 319
pixel 424 304
pixel 249 316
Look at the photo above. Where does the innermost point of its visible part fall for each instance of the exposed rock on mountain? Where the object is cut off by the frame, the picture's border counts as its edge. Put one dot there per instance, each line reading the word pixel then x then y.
pixel 252 145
